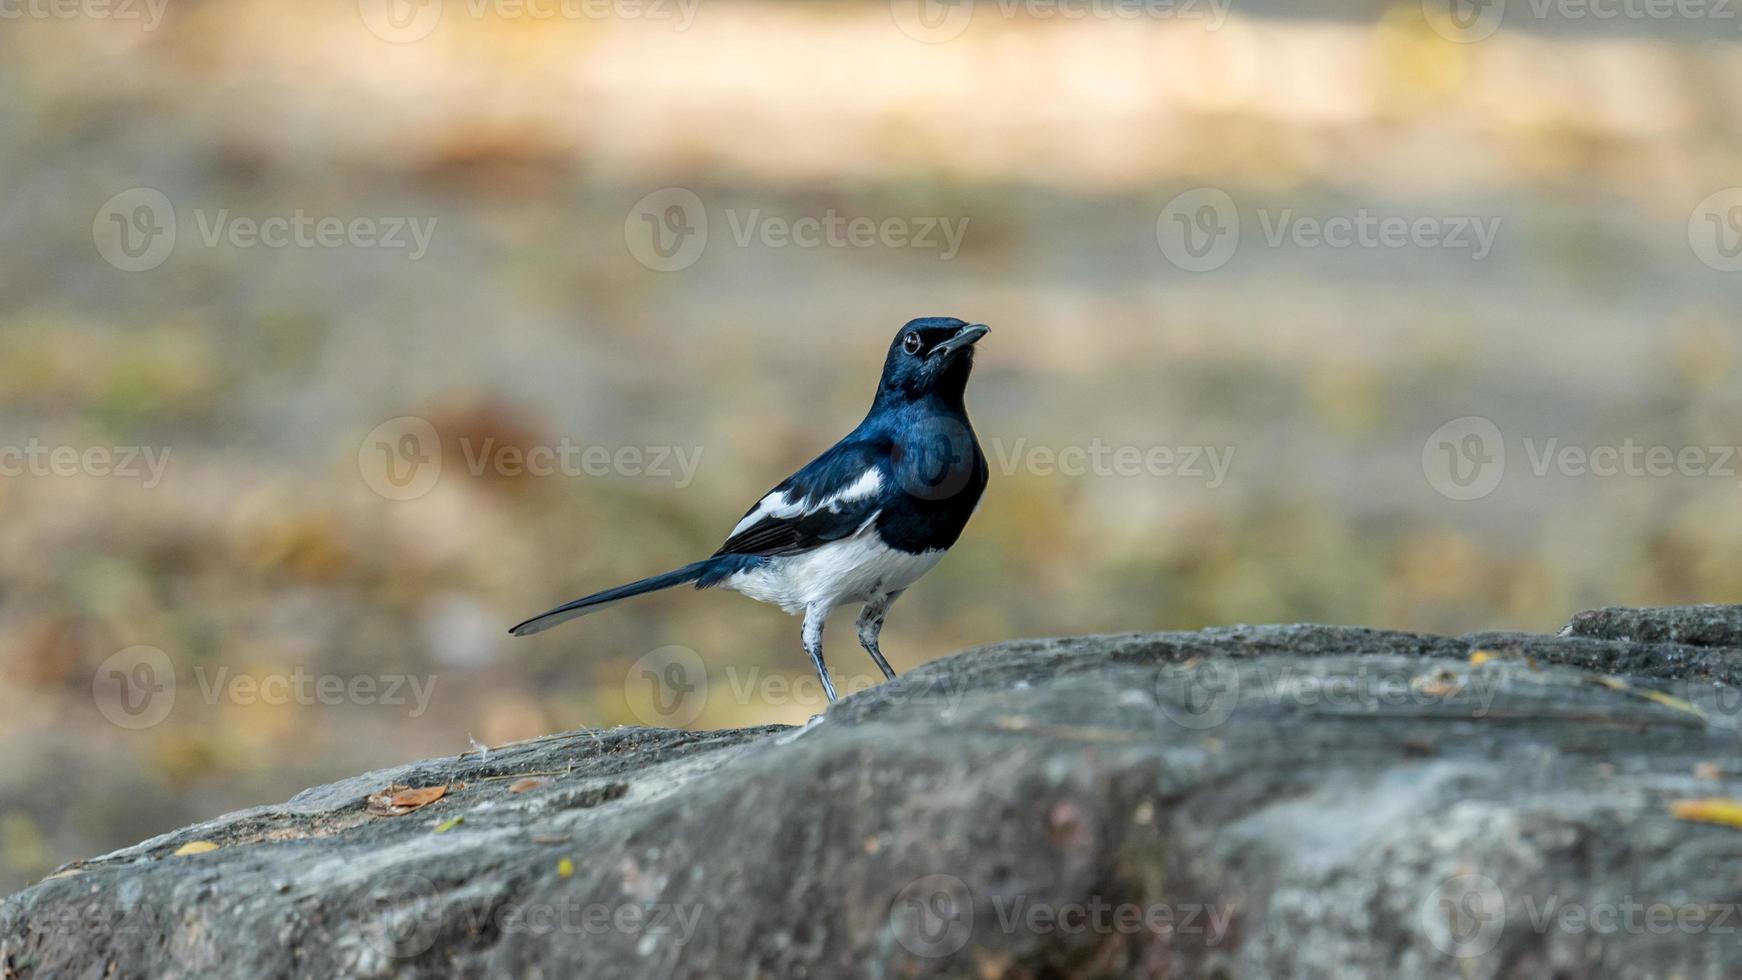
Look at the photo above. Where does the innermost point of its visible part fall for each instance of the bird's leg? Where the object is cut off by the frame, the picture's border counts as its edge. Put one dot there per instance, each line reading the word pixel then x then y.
pixel 814 616
pixel 871 625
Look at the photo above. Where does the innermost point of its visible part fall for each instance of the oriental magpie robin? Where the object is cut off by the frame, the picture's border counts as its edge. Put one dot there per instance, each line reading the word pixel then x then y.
pixel 863 521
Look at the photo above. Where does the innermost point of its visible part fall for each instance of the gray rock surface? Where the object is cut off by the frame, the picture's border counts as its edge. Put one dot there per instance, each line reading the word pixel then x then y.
pixel 1298 801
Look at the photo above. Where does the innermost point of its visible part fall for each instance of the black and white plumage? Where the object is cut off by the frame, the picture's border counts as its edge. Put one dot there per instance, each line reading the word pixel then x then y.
pixel 867 518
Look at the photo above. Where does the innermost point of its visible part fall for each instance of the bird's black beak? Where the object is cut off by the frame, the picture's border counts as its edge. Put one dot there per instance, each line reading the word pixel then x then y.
pixel 964 337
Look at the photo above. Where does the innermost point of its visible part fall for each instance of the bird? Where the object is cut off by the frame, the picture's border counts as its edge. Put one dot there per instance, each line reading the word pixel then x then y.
pixel 863 521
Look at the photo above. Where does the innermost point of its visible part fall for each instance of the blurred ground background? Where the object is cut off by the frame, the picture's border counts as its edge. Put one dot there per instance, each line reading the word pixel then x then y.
pixel 527 147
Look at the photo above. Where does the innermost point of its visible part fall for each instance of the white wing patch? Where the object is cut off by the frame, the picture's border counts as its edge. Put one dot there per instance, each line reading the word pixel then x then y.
pixel 864 486
pixel 779 506
pixel 773 505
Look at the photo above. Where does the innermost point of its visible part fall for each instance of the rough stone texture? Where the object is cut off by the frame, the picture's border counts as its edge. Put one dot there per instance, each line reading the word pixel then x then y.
pixel 1297 801
pixel 1699 626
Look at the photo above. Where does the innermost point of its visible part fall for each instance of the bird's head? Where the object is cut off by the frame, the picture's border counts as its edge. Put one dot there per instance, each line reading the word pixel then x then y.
pixel 930 356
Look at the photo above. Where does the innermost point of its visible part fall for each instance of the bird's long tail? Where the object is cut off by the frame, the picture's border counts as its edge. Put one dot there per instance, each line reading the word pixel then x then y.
pixel 598 600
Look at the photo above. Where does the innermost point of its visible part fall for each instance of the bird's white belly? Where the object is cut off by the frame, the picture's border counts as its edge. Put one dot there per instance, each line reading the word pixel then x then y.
pixel 852 569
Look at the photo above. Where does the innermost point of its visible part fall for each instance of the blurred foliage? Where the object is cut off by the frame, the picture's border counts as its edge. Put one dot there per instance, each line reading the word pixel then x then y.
pixel 264 552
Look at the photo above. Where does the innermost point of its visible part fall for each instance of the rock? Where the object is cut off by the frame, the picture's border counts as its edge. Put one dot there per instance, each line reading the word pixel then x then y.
pixel 1298 801
pixel 1700 626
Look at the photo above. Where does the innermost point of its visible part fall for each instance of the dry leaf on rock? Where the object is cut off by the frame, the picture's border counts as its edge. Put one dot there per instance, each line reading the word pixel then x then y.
pixel 398 799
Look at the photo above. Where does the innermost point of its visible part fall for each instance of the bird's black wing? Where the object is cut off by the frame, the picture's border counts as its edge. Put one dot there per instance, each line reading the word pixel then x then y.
pixel 829 499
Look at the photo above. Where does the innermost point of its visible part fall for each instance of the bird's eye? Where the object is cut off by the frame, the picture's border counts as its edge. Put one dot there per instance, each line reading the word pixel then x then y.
pixel 910 343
